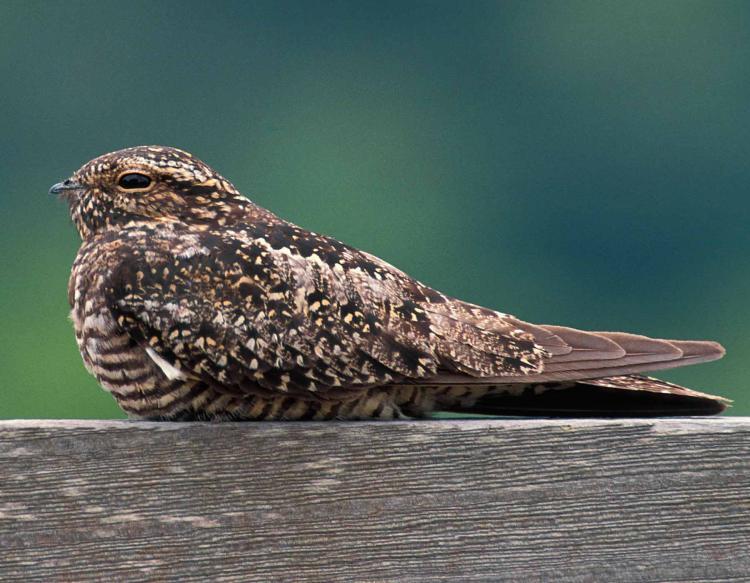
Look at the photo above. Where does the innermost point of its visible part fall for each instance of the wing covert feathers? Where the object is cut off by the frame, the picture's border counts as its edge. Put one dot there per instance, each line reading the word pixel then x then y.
pixel 272 308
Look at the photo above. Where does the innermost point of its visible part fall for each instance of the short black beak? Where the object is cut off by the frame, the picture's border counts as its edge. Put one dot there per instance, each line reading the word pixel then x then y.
pixel 62 187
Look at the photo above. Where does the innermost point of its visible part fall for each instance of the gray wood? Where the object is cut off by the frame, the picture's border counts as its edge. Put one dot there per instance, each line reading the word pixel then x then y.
pixel 458 500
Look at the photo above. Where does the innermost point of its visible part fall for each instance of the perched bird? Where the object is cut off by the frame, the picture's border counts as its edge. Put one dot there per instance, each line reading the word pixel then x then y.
pixel 189 301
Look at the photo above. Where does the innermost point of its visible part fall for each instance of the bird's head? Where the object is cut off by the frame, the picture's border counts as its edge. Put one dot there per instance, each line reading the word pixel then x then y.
pixel 155 183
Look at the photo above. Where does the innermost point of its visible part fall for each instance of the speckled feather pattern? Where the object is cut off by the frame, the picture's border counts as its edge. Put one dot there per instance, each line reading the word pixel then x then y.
pixel 189 301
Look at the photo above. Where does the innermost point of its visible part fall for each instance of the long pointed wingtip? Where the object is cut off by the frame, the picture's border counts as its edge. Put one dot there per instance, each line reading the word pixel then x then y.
pixel 720 350
pixel 700 350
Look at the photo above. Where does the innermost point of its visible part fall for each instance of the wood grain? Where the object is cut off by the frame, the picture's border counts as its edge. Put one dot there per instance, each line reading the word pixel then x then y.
pixel 458 500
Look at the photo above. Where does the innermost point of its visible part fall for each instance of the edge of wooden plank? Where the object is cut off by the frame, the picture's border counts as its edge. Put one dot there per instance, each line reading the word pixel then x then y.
pixel 659 424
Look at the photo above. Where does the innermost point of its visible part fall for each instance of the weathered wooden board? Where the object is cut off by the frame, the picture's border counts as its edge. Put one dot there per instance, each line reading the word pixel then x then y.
pixel 469 500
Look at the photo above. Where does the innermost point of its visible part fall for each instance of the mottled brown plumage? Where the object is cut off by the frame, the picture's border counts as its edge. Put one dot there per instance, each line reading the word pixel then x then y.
pixel 191 302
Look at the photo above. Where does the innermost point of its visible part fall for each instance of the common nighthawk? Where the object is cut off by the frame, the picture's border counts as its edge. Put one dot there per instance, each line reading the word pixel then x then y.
pixel 191 302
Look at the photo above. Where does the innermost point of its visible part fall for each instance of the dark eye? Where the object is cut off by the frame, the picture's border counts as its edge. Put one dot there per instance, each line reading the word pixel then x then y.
pixel 133 181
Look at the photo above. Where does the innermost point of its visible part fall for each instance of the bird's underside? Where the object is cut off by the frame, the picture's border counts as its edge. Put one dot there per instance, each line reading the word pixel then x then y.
pixel 191 302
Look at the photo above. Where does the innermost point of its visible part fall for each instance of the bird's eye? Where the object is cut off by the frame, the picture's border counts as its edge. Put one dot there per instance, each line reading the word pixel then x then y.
pixel 134 181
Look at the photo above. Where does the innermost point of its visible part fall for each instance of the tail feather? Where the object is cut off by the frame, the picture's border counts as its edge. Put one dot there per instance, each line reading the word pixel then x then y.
pixel 617 396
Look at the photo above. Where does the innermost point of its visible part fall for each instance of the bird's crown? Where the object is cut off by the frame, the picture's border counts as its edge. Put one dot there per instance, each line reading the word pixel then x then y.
pixel 147 183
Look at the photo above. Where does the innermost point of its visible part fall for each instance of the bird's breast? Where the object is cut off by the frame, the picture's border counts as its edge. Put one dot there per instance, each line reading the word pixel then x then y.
pixel 108 352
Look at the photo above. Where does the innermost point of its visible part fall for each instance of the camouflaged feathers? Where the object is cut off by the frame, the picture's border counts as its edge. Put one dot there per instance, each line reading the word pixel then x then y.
pixel 191 302
pixel 229 292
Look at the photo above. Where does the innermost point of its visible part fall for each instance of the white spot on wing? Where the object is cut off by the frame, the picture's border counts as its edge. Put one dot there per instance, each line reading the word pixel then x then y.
pixel 189 252
pixel 169 370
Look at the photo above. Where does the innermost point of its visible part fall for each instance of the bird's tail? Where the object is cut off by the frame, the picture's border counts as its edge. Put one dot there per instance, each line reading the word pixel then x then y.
pixel 618 396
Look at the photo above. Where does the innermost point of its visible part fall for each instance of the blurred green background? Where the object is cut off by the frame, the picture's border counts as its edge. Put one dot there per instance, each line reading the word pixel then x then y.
pixel 580 163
